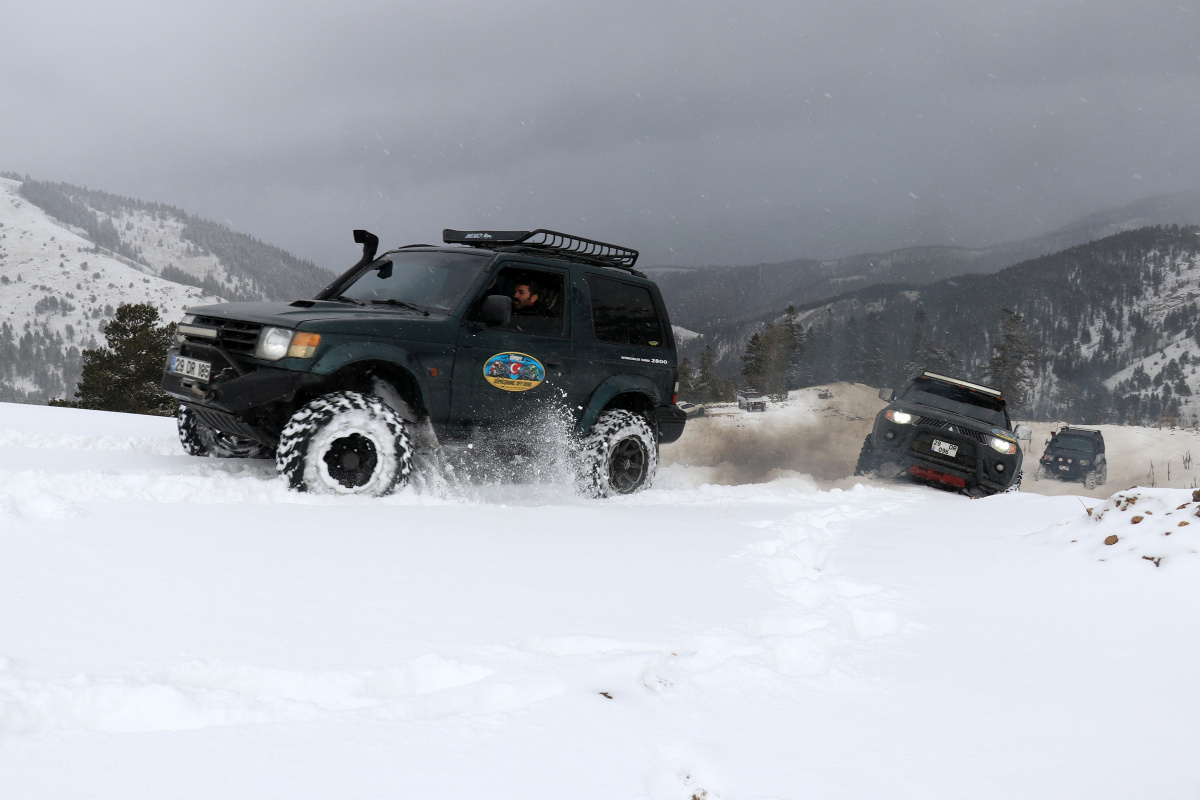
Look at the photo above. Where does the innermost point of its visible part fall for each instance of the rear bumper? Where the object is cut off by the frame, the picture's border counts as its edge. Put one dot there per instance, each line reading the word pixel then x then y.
pixel 671 421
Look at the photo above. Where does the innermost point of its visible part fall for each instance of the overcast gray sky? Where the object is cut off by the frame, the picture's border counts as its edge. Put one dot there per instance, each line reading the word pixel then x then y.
pixel 698 132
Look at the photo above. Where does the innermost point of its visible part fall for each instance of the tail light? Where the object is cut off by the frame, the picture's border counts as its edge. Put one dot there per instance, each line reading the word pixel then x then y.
pixel 675 394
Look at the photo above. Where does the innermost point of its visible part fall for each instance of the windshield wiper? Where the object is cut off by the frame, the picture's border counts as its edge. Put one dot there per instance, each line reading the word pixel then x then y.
pixel 344 299
pixel 401 303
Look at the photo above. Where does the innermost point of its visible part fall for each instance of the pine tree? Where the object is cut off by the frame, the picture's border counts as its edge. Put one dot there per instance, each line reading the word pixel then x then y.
pixel 874 370
pixel 793 334
pixel 126 374
pixel 707 385
pixel 687 380
pixel 754 361
pixel 1011 367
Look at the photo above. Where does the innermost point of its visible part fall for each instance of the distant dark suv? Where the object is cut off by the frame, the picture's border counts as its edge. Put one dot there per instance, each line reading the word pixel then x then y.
pixel 948 432
pixel 1075 454
pixel 489 340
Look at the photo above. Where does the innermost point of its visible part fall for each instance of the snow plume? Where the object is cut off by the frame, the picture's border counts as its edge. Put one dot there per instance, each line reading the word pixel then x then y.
pixel 545 460
pixel 822 441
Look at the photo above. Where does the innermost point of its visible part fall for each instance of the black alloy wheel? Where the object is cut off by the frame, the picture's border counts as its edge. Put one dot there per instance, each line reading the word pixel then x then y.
pixel 351 460
pixel 627 465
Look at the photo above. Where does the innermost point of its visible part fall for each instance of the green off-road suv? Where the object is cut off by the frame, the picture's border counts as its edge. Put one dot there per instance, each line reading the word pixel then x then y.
pixel 477 346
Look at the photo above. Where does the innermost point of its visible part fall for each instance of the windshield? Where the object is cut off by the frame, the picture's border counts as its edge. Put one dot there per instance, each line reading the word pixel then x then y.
pixel 429 280
pixel 958 399
pixel 1081 444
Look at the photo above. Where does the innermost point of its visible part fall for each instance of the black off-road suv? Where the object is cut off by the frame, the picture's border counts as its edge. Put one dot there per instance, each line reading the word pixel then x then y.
pixel 1075 454
pixel 480 344
pixel 946 432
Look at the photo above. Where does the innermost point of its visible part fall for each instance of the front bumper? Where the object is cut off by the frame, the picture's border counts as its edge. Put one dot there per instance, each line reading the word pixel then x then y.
pixel 1066 472
pixel 974 465
pixel 241 399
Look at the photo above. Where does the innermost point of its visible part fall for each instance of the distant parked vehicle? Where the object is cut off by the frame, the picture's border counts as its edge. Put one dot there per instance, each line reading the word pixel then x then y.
pixel 751 400
pixel 691 409
pixel 1075 454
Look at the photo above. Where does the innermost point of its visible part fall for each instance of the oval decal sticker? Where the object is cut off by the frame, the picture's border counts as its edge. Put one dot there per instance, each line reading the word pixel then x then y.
pixel 513 372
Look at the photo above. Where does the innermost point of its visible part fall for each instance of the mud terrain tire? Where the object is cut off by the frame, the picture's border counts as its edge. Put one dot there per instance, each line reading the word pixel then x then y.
pixel 1089 480
pixel 345 443
pixel 867 461
pixel 618 456
pixel 201 439
pixel 1040 473
pixel 1015 486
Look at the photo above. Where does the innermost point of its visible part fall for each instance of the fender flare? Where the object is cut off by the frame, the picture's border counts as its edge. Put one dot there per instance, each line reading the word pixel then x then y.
pixel 610 388
pixel 347 355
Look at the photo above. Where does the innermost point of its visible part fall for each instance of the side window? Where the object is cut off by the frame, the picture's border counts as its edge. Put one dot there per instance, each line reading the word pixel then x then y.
pixel 623 313
pixel 538 300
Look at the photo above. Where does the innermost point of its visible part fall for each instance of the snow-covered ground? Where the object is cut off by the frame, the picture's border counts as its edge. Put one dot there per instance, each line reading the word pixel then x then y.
pixel 187 628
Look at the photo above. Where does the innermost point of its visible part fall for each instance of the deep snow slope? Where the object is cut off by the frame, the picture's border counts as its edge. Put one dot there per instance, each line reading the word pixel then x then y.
pixel 177 627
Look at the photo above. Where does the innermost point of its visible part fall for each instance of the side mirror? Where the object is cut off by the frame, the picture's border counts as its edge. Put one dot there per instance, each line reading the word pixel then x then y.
pixel 887 395
pixel 1024 432
pixel 496 310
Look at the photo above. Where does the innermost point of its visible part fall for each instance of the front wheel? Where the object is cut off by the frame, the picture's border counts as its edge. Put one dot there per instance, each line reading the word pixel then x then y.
pixel 1041 473
pixel 868 463
pixel 345 443
pixel 201 439
pixel 618 456
pixel 1089 480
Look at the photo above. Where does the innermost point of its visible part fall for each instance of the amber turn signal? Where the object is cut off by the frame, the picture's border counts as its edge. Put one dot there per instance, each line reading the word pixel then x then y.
pixel 304 345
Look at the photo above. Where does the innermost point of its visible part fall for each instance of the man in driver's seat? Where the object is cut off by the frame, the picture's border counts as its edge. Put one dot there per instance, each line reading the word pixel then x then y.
pixel 530 314
pixel 525 299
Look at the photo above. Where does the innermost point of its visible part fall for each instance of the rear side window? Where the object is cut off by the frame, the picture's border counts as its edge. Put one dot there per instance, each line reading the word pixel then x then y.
pixel 623 313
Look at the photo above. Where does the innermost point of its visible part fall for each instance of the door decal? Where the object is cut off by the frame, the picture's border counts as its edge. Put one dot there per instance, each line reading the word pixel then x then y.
pixel 513 372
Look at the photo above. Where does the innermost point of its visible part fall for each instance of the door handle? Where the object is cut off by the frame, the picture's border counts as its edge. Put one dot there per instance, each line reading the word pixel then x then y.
pixel 555 364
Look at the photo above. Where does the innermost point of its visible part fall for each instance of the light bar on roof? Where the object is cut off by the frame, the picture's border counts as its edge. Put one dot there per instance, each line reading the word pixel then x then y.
pixel 987 389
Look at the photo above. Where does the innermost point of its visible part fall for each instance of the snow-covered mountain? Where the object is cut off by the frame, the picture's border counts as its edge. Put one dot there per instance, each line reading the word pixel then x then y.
pixel 69 256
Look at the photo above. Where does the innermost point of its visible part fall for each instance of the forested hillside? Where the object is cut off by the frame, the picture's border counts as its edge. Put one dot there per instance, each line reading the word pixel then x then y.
pixel 178 246
pixel 1109 331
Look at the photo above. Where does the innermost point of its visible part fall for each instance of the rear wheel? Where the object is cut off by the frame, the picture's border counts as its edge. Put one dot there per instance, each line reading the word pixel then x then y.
pixel 618 456
pixel 201 439
pixel 345 443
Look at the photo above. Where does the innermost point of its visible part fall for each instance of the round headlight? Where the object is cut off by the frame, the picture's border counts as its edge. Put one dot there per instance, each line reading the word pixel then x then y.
pixel 273 343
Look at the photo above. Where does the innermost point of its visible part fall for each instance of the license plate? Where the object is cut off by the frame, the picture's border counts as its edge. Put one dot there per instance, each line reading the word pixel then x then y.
pixel 189 368
pixel 945 449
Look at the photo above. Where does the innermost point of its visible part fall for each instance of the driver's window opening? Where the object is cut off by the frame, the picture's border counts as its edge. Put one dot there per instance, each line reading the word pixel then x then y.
pixel 537 300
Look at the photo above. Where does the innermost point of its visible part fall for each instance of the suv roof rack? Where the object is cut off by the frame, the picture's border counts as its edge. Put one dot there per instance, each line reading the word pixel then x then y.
pixel 960 382
pixel 562 245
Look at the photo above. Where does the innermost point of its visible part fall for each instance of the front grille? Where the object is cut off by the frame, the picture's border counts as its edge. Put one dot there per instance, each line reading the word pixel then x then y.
pixel 940 424
pixel 234 335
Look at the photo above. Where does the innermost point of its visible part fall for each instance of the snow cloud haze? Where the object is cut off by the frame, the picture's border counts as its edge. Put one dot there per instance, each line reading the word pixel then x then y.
pixel 701 132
